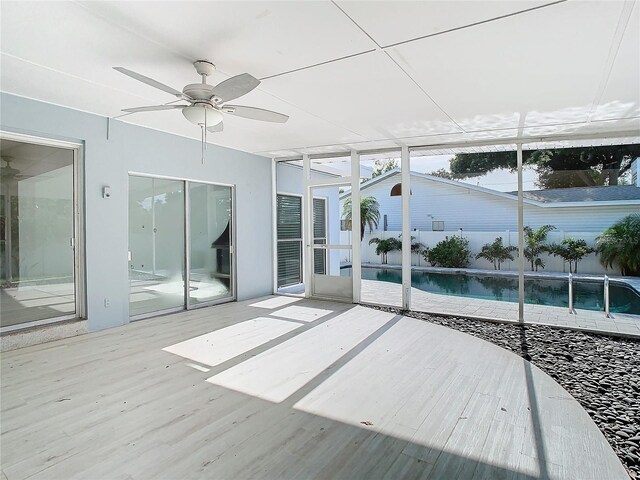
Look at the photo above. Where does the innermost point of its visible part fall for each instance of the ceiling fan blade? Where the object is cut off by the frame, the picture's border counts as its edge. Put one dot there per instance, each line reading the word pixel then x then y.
pixel 152 108
pixel 255 113
pixel 149 81
pixel 216 128
pixel 235 87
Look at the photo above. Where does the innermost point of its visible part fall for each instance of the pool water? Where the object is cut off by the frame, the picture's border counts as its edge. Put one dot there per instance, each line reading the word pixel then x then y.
pixel 587 295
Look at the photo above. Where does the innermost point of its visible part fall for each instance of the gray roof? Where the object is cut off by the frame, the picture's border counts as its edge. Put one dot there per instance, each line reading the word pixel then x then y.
pixel 584 194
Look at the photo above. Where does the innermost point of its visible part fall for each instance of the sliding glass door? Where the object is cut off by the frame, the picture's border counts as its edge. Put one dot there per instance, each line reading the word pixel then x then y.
pixel 38 262
pixel 156 245
pixel 210 243
pixel 180 233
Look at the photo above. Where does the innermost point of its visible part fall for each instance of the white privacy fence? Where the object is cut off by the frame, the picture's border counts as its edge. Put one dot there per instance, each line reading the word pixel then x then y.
pixel 590 264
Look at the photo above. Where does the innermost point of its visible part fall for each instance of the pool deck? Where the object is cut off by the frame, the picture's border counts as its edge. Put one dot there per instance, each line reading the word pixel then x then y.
pixel 376 292
pixel 289 388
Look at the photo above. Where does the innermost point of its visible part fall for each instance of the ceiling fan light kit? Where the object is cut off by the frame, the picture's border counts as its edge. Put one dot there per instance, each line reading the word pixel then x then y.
pixel 207 103
pixel 202 114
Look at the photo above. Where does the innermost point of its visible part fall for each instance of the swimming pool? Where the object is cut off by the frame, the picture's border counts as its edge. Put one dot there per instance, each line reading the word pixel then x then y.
pixel 587 295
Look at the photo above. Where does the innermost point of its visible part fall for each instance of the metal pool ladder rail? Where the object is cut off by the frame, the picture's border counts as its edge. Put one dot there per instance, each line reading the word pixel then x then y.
pixel 606 297
pixel 570 293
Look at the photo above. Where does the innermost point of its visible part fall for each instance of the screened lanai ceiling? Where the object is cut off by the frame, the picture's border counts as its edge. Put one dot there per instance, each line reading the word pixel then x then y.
pixel 351 75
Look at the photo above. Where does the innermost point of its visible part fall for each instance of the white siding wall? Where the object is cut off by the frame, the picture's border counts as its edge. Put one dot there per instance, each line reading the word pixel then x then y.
pixel 482 217
pixel 463 208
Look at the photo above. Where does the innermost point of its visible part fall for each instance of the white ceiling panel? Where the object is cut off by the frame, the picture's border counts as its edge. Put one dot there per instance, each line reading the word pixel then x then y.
pixel 542 70
pixel 621 96
pixel 392 22
pixel 260 37
pixel 66 38
pixel 606 127
pixel 542 67
pixel 367 94
pixel 239 133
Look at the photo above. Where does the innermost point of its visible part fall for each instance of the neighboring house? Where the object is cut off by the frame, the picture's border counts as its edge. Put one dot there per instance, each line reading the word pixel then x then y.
pixel 438 204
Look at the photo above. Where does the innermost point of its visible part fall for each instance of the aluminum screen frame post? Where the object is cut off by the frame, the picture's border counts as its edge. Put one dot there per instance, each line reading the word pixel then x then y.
pixel 307 227
pixel 274 223
pixel 520 238
pixel 356 243
pixel 405 173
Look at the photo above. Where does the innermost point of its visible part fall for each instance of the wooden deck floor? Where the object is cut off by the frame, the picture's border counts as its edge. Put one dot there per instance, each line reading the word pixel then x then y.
pixel 284 388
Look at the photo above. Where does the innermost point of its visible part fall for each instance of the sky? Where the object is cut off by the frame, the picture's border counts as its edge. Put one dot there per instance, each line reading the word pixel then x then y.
pixel 501 180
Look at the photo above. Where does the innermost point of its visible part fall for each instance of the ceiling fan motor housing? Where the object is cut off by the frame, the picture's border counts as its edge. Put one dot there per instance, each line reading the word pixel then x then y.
pixel 199 91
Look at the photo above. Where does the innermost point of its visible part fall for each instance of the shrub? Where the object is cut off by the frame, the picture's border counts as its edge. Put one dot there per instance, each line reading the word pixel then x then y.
pixel 452 252
pixel 620 245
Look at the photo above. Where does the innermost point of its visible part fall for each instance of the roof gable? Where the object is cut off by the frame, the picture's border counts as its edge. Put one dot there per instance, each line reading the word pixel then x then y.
pixel 549 197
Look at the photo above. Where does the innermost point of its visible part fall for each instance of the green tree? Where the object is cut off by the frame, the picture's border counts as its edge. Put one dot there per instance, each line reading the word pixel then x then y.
pixel 534 246
pixel 369 213
pixel 620 245
pixel 443 173
pixel 384 246
pixel 572 251
pixel 381 167
pixel 496 252
pixel 452 252
pixel 556 168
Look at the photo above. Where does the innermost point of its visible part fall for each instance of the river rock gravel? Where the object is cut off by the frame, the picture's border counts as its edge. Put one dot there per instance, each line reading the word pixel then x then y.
pixel 601 372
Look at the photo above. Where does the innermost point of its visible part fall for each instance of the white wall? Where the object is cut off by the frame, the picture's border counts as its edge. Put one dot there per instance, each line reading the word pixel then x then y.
pixel 134 148
pixel 470 210
pixel 590 264
pixel 289 181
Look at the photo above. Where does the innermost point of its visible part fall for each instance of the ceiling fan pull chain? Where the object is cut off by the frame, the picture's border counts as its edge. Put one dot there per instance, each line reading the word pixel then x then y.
pixel 203 129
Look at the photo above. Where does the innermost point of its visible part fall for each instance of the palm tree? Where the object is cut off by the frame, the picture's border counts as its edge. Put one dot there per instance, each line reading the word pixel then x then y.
pixel 572 251
pixel 369 213
pixel 496 252
pixel 620 244
pixel 533 245
pixel 384 246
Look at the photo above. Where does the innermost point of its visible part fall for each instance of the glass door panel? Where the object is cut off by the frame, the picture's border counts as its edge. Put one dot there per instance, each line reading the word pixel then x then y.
pixel 211 243
pixel 156 245
pixel 37 260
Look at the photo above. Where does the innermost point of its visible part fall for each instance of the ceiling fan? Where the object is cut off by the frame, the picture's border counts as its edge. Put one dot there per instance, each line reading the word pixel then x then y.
pixel 207 104
pixel 8 172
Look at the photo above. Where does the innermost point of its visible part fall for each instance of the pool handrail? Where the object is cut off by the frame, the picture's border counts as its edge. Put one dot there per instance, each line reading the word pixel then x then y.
pixel 570 293
pixel 606 297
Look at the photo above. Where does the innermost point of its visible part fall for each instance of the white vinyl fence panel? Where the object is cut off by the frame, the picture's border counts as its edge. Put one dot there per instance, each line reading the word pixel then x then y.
pixel 589 264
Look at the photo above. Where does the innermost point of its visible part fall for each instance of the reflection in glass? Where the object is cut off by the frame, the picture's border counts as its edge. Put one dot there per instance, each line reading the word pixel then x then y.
pixel 36 232
pixel 156 244
pixel 210 272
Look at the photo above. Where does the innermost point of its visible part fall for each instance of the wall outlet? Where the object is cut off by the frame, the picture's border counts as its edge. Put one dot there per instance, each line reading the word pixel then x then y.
pixel 107 303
